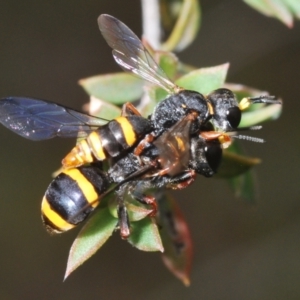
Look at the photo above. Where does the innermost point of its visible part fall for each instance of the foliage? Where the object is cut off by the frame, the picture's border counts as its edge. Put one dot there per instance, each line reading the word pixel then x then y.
pixel 283 10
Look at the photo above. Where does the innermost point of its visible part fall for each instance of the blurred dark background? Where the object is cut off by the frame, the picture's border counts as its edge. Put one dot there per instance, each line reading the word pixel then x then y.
pixel 242 251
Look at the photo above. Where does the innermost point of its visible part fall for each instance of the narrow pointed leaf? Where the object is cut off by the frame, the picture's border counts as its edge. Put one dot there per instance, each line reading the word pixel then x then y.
pixel 204 80
pixel 176 238
pixel 281 9
pixel 294 6
pixel 116 88
pixel 266 113
pixel 241 91
pixel 136 212
pixel 93 235
pixel 186 27
pixel 102 109
pixel 243 185
pixel 258 113
pixel 234 164
pixel 145 235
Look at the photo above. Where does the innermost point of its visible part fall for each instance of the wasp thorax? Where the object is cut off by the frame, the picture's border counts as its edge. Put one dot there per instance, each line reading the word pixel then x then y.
pixel 175 107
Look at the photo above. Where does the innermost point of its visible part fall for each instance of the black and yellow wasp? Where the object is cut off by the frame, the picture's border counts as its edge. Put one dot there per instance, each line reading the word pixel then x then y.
pixel 181 138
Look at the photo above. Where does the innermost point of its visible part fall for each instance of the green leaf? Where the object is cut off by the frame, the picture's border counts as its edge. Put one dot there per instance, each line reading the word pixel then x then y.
pixel 186 27
pixel 148 101
pixel 116 88
pixel 234 164
pixel 241 91
pixel 283 10
pixel 257 113
pixel 145 235
pixel 244 186
pixel 93 235
pixel 136 212
pixel 204 80
pixel 102 109
pixel 168 62
pixel 266 113
pixel 152 96
pixel 176 238
pixel 294 6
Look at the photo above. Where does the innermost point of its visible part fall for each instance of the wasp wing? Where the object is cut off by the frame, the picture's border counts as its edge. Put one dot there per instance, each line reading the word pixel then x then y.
pixel 40 120
pixel 130 53
pixel 174 147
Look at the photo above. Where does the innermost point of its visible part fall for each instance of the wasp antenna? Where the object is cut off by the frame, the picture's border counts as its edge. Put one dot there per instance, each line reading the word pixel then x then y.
pixel 256 127
pixel 249 138
pixel 247 101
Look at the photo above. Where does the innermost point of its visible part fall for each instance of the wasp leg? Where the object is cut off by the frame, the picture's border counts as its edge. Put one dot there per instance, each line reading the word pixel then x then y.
pixel 145 199
pixel 128 109
pixel 223 138
pixel 182 180
pixel 143 144
pixel 124 223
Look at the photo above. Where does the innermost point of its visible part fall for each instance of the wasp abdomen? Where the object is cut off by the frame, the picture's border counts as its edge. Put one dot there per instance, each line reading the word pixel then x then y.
pixel 71 197
pixel 109 141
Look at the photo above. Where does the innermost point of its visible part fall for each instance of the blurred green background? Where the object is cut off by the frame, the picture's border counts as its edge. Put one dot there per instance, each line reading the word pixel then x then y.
pixel 242 251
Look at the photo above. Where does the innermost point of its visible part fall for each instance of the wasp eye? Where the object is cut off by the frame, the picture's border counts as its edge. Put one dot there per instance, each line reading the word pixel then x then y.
pixel 213 153
pixel 234 116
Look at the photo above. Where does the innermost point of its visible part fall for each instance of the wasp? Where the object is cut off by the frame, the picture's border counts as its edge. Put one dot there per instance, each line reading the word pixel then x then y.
pixel 167 149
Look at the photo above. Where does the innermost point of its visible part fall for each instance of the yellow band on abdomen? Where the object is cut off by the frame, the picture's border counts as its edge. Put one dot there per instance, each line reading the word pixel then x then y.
pixel 54 217
pixel 127 129
pixel 85 186
pixel 94 141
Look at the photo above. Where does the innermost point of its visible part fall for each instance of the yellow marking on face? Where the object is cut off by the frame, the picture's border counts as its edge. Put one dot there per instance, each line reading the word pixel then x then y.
pixel 245 103
pixel 225 140
pixel 54 217
pixel 127 130
pixel 85 186
pixel 96 145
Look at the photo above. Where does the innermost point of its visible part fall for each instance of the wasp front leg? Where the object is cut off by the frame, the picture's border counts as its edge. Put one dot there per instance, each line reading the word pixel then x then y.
pixel 182 180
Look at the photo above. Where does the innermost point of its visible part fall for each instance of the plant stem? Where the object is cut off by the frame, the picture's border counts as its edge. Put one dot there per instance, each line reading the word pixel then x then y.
pixel 151 22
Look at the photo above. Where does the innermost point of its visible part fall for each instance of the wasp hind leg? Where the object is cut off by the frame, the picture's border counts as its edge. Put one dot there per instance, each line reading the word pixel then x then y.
pixel 124 224
pixel 128 109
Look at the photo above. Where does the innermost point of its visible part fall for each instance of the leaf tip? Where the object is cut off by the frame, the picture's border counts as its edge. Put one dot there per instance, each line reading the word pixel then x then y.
pixel 81 82
pixel 186 281
pixel 68 272
pixel 161 248
pixel 290 25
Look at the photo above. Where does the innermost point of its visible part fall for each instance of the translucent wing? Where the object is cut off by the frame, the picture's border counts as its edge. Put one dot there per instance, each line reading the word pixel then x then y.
pixel 40 120
pixel 131 55
pixel 174 147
